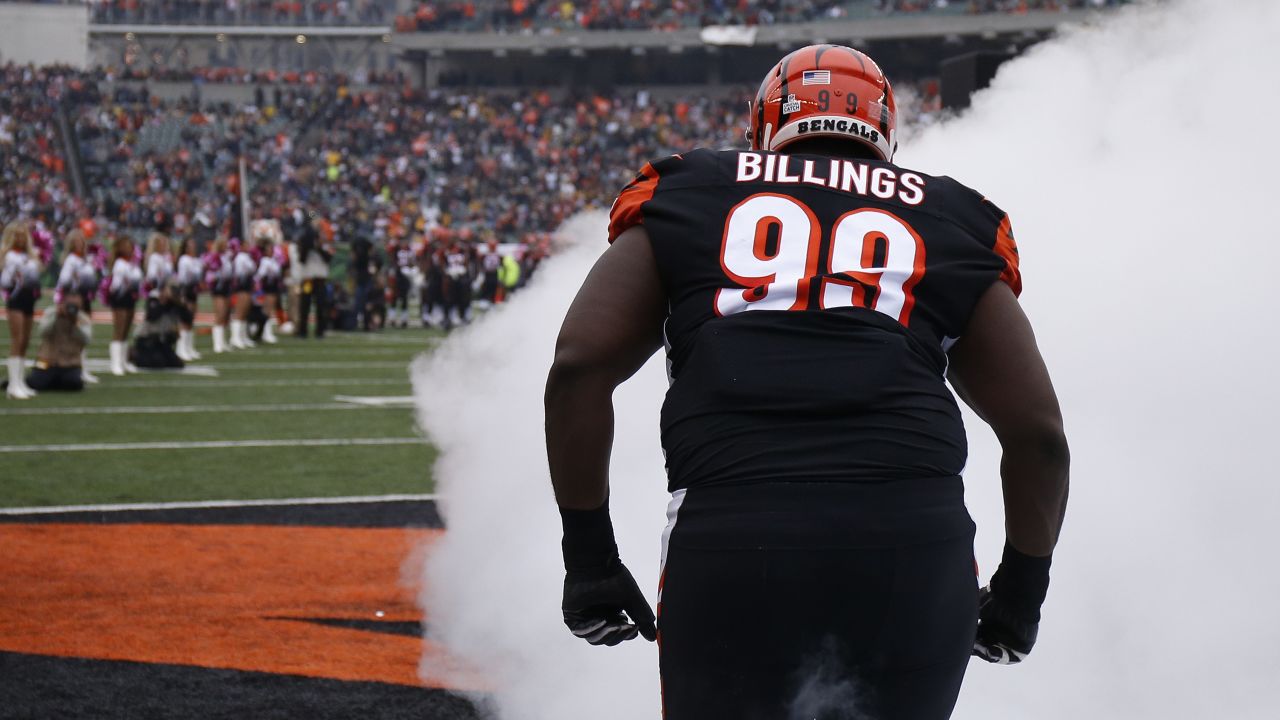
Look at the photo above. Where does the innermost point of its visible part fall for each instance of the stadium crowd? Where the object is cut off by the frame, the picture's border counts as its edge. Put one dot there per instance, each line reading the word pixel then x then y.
pixel 537 15
pixel 427 198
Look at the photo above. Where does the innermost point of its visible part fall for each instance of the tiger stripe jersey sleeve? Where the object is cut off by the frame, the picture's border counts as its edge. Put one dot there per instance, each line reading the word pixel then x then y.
pixel 1007 249
pixel 628 208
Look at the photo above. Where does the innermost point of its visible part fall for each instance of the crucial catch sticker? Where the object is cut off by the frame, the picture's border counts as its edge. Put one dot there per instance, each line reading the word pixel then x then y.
pixel 816 77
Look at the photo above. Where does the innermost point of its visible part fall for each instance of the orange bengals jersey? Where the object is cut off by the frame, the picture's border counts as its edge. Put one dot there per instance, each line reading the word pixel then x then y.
pixel 812 303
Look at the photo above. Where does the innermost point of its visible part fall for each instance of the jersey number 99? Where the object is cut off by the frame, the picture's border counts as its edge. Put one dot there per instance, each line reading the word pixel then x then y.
pixel 772 247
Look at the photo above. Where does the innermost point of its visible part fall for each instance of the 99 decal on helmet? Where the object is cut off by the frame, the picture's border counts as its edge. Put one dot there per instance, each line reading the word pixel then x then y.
pixel 825 91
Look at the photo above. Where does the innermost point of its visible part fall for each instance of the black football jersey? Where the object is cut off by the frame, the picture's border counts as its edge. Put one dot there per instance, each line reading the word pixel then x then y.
pixel 812 301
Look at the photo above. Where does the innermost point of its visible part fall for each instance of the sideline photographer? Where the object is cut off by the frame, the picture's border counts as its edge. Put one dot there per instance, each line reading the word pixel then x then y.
pixel 64 333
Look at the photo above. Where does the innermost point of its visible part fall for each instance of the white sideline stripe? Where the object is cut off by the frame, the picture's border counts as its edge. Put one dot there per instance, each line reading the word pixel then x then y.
pixel 183 409
pixel 104 366
pixel 211 444
pixel 113 385
pixel 376 364
pixel 376 400
pixel 198 504
pixel 362 349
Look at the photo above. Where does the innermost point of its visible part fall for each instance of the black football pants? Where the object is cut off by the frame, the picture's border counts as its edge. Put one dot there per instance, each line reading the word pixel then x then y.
pixel 774 608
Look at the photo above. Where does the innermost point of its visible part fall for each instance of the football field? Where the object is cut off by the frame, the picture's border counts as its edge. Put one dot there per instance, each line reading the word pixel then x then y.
pixel 242 538
pixel 303 418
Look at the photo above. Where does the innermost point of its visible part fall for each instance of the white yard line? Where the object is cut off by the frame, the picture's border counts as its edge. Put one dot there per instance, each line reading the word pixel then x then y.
pixel 103 366
pixel 198 504
pixel 124 384
pixel 184 409
pixel 211 444
pixel 376 400
pixel 375 364
pixel 354 350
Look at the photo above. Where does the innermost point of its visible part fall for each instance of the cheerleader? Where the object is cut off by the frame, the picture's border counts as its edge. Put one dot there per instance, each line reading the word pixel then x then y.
pixel 243 269
pixel 159 264
pixel 122 296
pixel 217 273
pixel 78 278
pixel 20 284
pixel 190 268
pixel 269 279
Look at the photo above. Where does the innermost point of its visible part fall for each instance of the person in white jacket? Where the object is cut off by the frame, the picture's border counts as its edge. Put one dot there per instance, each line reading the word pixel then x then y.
pixel 20 285
pixel 79 279
pixel 122 296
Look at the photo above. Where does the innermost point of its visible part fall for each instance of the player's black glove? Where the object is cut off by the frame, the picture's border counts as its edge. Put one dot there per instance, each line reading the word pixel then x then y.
pixel 1009 608
pixel 594 604
pixel 598 589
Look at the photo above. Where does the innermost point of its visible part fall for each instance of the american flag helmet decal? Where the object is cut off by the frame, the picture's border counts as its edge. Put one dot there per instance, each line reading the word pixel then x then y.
pixel 816 77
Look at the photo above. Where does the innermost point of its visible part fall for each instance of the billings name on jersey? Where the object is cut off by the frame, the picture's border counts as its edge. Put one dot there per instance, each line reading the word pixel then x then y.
pixel 812 302
pixel 848 176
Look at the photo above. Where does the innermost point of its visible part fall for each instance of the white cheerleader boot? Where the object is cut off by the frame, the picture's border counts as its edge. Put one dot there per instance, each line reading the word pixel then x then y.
pixel 124 356
pixel 191 345
pixel 88 377
pixel 22 378
pixel 116 348
pixel 220 338
pixel 269 332
pixel 181 349
pixel 237 335
pixel 17 389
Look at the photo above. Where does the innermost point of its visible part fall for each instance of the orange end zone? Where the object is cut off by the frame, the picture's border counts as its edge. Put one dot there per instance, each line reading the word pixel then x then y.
pixel 219 596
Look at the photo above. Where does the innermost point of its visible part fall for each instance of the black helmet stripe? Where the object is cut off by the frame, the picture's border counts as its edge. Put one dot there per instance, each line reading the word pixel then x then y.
pixel 856 56
pixel 782 107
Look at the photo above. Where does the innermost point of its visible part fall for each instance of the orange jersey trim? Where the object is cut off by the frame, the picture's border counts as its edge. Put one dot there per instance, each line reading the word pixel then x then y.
pixel 628 209
pixel 1008 249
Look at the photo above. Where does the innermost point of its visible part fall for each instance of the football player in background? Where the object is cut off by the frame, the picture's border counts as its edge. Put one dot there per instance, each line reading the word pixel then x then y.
pixel 814 299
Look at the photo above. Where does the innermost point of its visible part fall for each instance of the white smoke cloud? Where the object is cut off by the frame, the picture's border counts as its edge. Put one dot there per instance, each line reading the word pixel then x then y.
pixel 1134 159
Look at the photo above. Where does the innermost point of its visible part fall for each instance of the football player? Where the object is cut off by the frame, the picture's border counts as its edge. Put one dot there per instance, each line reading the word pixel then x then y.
pixel 813 299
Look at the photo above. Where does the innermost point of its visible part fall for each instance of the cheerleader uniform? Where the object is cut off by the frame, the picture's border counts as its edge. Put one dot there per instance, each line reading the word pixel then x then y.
pixel 269 280
pixel 20 282
pixel 122 294
pixel 243 269
pixel 190 268
pixel 218 273
pixel 159 270
pixel 78 279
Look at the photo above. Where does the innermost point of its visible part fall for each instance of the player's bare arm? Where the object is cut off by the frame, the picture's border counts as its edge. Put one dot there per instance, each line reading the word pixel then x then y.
pixel 997 369
pixel 613 326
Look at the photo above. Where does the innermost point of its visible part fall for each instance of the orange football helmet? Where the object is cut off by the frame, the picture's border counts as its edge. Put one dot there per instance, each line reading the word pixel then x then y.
pixel 825 91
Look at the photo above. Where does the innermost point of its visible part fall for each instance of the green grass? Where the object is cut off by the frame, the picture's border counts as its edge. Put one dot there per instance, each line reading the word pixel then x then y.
pixel 293 372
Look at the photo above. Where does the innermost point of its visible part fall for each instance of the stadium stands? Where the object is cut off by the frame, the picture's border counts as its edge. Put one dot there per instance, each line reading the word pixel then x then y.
pixel 517 15
pixel 512 163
